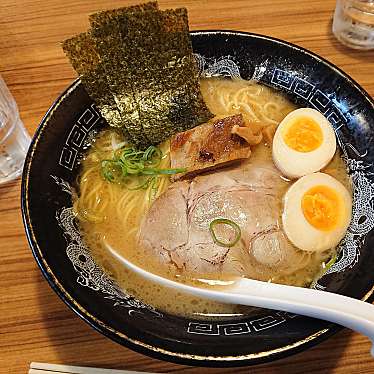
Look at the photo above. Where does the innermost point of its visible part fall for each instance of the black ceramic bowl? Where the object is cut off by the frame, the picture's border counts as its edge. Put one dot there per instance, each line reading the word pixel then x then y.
pixel 52 165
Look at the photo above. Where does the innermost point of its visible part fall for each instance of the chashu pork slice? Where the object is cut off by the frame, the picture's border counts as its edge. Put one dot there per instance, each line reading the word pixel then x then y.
pixel 208 146
pixel 175 232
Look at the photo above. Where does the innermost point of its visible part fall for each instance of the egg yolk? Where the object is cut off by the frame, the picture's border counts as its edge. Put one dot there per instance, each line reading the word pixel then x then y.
pixel 321 207
pixel 303 135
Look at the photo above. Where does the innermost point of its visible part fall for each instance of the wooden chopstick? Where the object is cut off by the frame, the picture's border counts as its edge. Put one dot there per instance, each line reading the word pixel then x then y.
pixel 45 368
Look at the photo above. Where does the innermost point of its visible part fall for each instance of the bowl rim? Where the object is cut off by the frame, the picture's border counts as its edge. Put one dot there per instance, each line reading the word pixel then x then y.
pixel 120 337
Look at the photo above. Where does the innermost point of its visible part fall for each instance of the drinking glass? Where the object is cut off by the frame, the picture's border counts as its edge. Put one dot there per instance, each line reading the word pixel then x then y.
pixel 14 139
pixel 353 23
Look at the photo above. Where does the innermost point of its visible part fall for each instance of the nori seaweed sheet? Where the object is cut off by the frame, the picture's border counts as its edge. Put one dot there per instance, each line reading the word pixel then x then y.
pixel 170 83
pixel 107 39
pixel 159 63
pixel 107 35
pixel 146 56
pixel 95 18
pixel 86 62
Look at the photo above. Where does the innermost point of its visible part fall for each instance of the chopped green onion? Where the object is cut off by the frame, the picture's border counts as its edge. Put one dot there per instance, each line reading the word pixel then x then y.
pixel 151 171
pixel 330 263
pixel 224 221
pixel 110 170
pixel 154 183
pixel 129 163
pixel 172 171
pixel 152 153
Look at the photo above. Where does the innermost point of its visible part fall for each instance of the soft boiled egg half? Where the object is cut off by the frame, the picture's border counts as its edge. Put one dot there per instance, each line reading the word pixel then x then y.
pixel 317 211
pixel 303 143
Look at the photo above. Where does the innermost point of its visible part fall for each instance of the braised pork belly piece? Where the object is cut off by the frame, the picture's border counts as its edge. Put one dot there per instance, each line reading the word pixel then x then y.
pixel 208 146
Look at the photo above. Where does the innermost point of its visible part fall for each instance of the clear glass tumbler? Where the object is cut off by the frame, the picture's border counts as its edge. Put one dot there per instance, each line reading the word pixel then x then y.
pixel 14 139
pixel 353 23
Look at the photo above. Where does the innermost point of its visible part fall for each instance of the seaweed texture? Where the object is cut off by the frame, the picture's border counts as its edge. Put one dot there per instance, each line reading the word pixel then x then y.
pixel 144 62
pixel 86 62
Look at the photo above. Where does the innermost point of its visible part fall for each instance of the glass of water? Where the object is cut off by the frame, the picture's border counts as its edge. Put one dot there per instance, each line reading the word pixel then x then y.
pixel 14 139
pixel 353 23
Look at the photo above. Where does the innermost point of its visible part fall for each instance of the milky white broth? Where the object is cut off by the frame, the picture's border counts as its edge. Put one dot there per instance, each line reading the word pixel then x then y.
pixel 217 93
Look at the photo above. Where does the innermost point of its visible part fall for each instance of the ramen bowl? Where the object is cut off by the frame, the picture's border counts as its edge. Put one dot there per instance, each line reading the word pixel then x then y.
pixel 52 166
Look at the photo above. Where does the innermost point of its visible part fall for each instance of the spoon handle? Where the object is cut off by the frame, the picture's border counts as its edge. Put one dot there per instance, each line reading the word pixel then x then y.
pixel 345 311
pixel 352 313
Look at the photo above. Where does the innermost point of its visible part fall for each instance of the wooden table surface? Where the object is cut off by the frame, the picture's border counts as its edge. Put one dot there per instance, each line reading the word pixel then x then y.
pixel 34 324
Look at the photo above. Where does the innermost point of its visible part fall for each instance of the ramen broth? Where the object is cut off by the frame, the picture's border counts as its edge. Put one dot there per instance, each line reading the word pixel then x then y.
pixel 110 213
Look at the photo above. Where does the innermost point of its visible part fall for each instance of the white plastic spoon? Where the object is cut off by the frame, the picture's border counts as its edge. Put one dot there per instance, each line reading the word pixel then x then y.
pixel 348 312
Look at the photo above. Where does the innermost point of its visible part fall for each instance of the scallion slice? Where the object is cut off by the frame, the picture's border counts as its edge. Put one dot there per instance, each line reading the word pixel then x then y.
pixel 225 221
pixel 330 263
pixel 129 163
